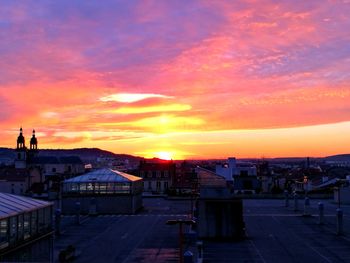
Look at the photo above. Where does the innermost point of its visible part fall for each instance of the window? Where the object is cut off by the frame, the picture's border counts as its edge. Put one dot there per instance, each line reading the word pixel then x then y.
pixel 13 229
pixel 165 185
pixel 26 225
pixel 74 187
pixel 47 217
pixel 103 188
pixel 244 173
pixel 34 223
pixel 53 169
pixel 90 187
pixel 20 227
pixel 41 223
pixel 149 185
pixel 166 174
pixel 3 234
pixel 158 186
pixel 82 187
pixel 110 188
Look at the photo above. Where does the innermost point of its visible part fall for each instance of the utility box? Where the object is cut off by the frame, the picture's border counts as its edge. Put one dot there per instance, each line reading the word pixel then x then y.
pixel 220 215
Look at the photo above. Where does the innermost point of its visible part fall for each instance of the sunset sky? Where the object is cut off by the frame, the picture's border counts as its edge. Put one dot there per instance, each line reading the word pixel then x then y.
pixel 195 79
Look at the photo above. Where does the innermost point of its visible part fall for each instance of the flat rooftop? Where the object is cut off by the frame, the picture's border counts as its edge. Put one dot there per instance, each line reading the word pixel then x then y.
pixel 275 233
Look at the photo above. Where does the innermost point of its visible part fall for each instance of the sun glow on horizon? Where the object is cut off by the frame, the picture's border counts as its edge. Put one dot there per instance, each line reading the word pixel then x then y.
pixel 228 82
pixel 164 155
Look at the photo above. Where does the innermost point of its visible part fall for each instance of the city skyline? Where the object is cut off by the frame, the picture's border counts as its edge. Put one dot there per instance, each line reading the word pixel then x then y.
pixel 180 79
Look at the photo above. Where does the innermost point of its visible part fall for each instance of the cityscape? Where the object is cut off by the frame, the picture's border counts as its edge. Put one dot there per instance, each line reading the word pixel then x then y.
pixel 174 131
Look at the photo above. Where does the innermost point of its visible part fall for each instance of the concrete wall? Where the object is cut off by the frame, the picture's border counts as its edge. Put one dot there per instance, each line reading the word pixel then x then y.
pixel 115 204
pixel 343 195
pixel 153 185
pixel 220 218
pixel 13 187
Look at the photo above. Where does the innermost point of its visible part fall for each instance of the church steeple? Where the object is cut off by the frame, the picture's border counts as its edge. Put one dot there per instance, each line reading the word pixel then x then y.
pixel 20 140
pixel 33 142
pixel 21 159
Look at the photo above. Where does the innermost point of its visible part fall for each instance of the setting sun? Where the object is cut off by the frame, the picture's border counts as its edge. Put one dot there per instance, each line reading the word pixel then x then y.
pixel 164 155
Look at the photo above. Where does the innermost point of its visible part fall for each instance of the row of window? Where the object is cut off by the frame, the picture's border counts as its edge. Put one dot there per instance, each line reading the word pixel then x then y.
pixel 158 174
pixel 97 188
pixel 18 228
pixel 158 185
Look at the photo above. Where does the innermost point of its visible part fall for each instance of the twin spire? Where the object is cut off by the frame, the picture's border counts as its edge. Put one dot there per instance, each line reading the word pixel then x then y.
pixel 21 141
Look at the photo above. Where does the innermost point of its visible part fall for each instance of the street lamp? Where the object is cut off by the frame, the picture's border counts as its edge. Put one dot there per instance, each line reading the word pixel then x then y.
pixel 180 222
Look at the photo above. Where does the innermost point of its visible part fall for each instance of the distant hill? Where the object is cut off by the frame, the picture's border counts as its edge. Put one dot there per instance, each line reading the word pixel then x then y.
pixel 7 153
pixel 86 154
pixel 338 157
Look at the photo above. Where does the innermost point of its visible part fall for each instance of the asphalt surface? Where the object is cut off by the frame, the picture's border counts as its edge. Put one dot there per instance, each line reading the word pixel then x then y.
pixel 275 233
pixel 144 237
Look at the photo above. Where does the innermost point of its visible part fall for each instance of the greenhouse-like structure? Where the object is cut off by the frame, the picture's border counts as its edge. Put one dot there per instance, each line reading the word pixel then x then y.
pixel 105 191
pixel 24 222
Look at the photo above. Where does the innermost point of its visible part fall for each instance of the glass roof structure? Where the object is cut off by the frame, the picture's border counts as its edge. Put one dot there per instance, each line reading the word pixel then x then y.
pixel 11 205
pixel 105 176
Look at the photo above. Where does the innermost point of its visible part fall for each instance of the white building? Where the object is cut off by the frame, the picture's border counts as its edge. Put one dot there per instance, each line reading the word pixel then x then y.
pixel 232 169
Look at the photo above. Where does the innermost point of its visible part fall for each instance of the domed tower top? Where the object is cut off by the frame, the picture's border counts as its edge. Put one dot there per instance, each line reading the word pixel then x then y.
pixel 20 140
pixel 33 142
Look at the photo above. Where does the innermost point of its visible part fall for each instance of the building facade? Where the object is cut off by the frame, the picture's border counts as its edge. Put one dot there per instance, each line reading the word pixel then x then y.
pixel 158 175
pixel 35 174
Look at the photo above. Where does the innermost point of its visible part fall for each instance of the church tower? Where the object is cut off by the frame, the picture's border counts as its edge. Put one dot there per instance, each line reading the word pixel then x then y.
pixel 33 142
pixel 33 147
pixel 21 152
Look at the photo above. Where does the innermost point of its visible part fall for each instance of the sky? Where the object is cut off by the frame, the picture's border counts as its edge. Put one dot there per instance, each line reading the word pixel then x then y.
pixel 185 79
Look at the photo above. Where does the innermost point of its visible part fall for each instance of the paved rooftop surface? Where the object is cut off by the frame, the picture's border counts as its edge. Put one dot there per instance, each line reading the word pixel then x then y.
pixel 275 233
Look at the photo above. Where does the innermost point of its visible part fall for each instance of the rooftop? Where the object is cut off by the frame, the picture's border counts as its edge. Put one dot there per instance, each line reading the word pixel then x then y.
pixel 104 175
pixel 57 160
pixel 11 205
pixel 13 174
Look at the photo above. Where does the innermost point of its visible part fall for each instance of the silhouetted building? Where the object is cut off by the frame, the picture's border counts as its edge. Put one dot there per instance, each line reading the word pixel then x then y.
pixel 243 175
pixel 207 178
pixel 220 214
pixel 34 174
pixel 158 175
pixel 185 178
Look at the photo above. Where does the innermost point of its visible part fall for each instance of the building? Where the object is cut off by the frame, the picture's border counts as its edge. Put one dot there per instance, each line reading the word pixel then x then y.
pixel 102 191
pixel 158 175
pixel 14 181
pixel 219 214
pixel 35 174
pixel 63 166
pixel 185 180
pixel 232 169
pixel 242 175
pixel 25 229
pixel 207 178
